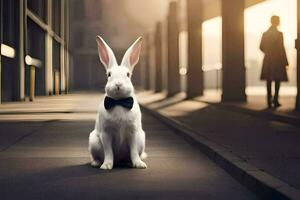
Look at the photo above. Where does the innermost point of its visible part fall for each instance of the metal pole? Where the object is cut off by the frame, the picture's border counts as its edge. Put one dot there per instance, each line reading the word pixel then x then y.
pixel 32 83
pixel 56 82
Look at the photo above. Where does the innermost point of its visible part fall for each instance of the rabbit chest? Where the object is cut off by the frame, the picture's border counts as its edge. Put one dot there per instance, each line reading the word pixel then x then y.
pixel 120 116
pixel 118 121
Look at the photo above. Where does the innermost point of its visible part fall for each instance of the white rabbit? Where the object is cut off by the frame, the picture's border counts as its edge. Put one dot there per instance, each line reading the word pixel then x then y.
pixel 118 133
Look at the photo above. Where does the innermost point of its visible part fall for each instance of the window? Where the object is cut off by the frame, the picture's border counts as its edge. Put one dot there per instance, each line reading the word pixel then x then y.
pixel 56 16
pixel 9 23
pixel 38 7
pixel 56 56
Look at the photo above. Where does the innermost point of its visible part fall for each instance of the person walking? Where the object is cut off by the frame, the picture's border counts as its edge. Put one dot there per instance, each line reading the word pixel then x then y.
pixel 275 61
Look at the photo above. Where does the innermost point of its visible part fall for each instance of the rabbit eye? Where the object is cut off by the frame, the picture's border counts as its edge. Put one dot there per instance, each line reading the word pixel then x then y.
pixel 108 74
pixel 128 74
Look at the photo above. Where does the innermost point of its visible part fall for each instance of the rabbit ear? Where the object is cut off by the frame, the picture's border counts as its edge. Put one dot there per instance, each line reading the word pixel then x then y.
pixel 106 55
pixel 132 55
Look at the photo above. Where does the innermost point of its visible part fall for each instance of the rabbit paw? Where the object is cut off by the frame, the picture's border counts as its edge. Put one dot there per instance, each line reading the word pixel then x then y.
pixel 139 164
pixel 95 163
pixel 107 165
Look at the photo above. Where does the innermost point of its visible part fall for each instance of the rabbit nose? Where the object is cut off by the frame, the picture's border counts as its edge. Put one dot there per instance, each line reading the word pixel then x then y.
pixel 118 85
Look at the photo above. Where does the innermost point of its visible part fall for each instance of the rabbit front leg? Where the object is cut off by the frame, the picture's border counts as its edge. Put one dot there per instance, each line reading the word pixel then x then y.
pixel 95 149
pixel 136 148
pixel 108 151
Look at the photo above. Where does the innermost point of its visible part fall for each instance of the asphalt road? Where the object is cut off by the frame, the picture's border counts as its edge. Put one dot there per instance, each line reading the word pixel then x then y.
pixel 48 159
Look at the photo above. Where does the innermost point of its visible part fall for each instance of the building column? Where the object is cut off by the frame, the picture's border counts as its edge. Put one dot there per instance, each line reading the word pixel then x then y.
pixel 158 58
pixel 233 61
pixel 143 66
pixel 152 62
pixel 147 62
pixel 49 52
pixel 21 49
pixel 297 106
pixel 164 54
pixel 1 31
pixel 195 83
pixel 173 85
pixel 66 46
pixel 62 47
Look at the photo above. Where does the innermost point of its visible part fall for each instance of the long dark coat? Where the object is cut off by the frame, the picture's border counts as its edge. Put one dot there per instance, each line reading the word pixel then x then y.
pixel 275 59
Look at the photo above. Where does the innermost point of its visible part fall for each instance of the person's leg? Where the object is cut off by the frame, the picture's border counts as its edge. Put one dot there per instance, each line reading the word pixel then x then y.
pixel 276 96
pixel 269 93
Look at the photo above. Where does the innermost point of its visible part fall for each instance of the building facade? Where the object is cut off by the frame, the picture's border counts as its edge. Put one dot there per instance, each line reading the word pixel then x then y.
pixel 34 48
pixel 120 23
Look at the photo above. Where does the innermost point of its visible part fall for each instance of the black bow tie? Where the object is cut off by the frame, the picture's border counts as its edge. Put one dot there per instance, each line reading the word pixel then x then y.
pixel 109 103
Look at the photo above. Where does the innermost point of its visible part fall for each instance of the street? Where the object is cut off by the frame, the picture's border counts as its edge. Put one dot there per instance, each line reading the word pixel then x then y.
pixel 47 158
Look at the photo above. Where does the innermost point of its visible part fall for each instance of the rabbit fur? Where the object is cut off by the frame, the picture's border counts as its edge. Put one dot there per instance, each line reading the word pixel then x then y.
pixel 118 134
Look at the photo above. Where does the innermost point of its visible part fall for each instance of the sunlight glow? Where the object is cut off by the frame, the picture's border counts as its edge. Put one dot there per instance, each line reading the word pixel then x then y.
pixel 183 57
pixel 212 36
pixel 257 21
pixel 212 27
pixel 212 52
pixel 216 66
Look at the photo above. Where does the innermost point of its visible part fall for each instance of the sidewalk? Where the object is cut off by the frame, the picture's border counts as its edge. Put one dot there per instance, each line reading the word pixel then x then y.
pixel 256 105
pixel 270 145
pixel 78 106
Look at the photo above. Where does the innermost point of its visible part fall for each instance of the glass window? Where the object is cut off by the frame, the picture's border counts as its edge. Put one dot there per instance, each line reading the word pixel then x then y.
pixel 56 56
pixel 9 23
pixel 36 49
pixel 35 40
pixel 56 16
pixel 38 7
pixel 66 23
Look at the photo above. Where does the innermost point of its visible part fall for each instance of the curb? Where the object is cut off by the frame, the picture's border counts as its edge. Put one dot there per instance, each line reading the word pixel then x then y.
pixel 264 114
pixel 258 181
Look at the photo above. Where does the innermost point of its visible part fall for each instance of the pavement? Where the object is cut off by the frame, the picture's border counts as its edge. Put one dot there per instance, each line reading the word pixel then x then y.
pixel 43 155
pixel 270 145
pixel 256 104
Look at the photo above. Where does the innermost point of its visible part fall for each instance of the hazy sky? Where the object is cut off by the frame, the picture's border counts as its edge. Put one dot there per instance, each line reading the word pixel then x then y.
pixel 257 18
